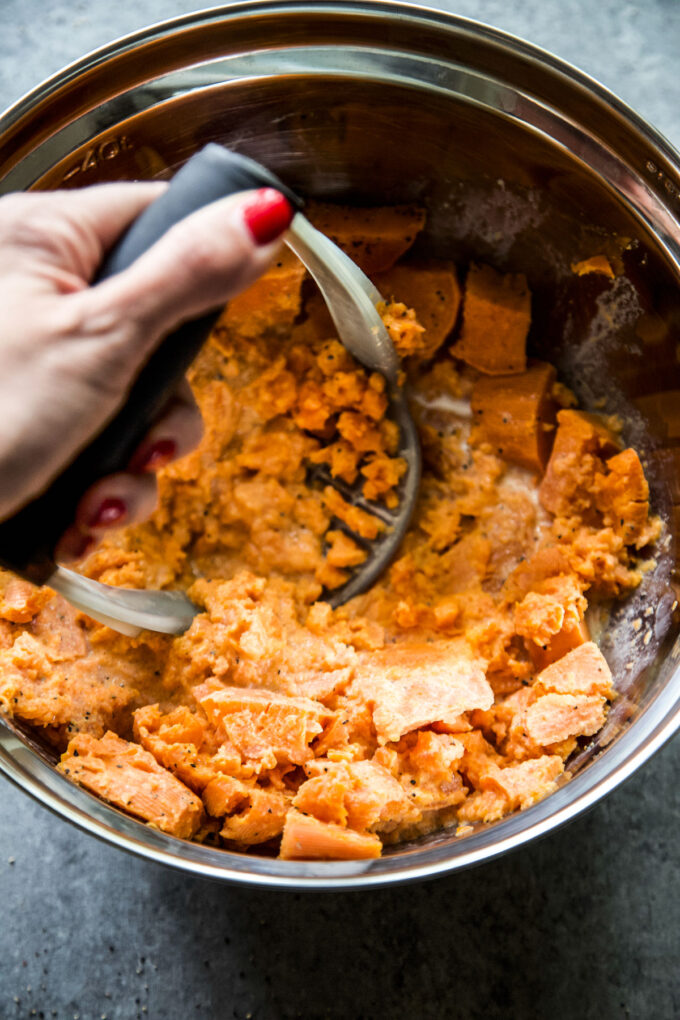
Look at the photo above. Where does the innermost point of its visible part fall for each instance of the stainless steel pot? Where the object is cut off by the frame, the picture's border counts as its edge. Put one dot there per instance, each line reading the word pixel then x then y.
pixel 522 161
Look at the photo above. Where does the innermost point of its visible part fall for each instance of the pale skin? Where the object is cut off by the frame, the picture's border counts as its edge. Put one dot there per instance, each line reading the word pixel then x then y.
pixel 68 350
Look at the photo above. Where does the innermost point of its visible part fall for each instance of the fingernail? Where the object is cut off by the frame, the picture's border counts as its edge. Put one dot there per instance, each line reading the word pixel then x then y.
pixel 267 215
pixel 110 511
pixel 155 456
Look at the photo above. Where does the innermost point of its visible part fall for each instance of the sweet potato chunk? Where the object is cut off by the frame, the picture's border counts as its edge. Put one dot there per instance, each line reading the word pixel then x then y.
pixel 525 783
pixel 427 767
pixel 20 601
pixel 374 237
pixel 582 442
pixel 323 796
pixel 483 806
pixel 366 525
pixel 253 815
pixel 570 636
pixel 572 694
pixel 342 551
pixel 532 573
pixel 622 496
pixel 263 726
pixel 271 303
pixel 411 686
pixel 496 320
pixel 582 671
pixel 432 292
pixel 539 617
pixel 50 689
pixel 130 778
pixel 595 264
pixel 260 818
pixel 175 740
pixel 359 794
pixel 516 414
pixel 306 838
pixel 223 794
pixel 551 620
pixel 403 328
pixel 555 717
pixel 567 700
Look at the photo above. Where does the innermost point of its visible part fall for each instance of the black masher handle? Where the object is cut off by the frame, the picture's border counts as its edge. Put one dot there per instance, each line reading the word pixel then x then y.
pixel 28 539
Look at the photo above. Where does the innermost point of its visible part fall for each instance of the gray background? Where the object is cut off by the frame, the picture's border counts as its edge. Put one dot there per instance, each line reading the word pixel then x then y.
pixel 583 924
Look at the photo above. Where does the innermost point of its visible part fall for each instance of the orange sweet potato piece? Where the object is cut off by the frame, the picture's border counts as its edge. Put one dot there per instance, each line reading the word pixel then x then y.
pixel 478 755
pixel 223 794
pixel 582 442
pixel 434 294
pixel 306 838
pixel 323 796
pixel 516 414
pixel 364 524
pixel 581 671
pixel 181 741
pixel 410 686
pixel 570 636
pixel 483 806
pixel 130 778
pixel 539 617
pixel 264 726
pixel 567 700
pixel 376 798
pixel 272 302
pixel 595 264
pixel 253 815
pixel 382 474
pixel 532 573
pixel 361 432
pixel 506 722
pixel 403 328
pixel 20 601
pixel 60 629
pixel 556 717
pixel 572 694
pixel 551 620
pixel 360 794
pixel 622 496
pixel 373 237
pixel 342 459
pixel 260 818
pixel 180 726
pixel 428 770
pixel 55 690
pixel 342 551
pixel 525 783
pixel 496 320
pixel 7 633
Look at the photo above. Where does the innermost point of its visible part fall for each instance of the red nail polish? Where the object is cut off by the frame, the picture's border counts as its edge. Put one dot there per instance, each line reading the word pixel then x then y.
pixel 110 511
pixel 267 215
pixel 154 457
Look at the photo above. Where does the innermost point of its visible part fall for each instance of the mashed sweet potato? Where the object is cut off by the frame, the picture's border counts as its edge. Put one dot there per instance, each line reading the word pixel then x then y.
pixel 455 689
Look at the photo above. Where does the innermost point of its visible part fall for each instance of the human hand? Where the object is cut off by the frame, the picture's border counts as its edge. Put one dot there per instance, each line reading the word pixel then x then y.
pixel 69 351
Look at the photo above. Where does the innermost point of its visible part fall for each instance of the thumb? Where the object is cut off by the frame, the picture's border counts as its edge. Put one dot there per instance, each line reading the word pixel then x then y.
pixel 199 264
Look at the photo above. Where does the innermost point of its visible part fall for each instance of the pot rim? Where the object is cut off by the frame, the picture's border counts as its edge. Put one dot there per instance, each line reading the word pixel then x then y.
pixel 398 8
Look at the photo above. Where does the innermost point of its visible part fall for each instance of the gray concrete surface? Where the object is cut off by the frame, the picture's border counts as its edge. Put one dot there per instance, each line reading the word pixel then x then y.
pixel 582 925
